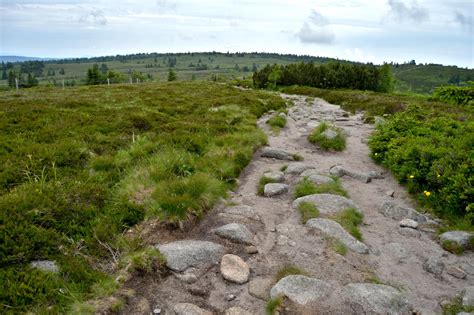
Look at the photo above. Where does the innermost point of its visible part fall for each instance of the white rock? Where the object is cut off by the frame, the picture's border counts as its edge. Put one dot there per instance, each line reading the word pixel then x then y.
pixel 408 223
pixel 234 269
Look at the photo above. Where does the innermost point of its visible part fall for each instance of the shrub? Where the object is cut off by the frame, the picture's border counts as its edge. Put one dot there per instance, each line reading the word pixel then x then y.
pixel 317 137
pixel 308 211
pixel 146 261
pixel 456 95
pixel 350 219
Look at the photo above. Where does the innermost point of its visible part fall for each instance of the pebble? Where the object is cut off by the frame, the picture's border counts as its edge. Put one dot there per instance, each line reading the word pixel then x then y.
pixel 456 272
pixel 409 223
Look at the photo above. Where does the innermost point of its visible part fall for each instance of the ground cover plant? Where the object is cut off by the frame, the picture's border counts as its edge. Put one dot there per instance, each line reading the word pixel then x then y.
pixel 318 136
pixel 81 165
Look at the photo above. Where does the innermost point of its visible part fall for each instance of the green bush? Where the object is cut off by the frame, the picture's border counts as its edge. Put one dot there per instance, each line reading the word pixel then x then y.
pixel 304 188
pixel 317 137
pixel 456 95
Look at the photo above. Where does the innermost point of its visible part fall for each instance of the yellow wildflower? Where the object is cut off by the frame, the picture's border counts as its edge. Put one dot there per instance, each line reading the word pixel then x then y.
pixel 426 193
pixel 412 176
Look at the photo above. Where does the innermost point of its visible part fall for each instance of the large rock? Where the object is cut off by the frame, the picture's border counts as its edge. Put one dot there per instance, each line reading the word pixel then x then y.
pixel 181 255
pixel 235 232
pixel 277 176
pixel 340 171
pixel 301 289
pixel 460 238
pixel 274 189
pixel 320 179
pixel 468 296
pixel 368 298
pixel 396 211
pixel 335 230
pixel 260 288
pixel 297 168
pixel 277 154
pixel 236 311
pixel 240 211
pixel 189 309
pixel 327 204
pixel 45 265
pixel 234 269
pixel 434 266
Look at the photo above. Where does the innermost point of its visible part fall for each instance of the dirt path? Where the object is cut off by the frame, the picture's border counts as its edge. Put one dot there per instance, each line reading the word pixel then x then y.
pixel 395 257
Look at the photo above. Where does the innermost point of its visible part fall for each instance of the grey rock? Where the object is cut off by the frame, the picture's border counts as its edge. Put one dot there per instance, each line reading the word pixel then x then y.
pixel 464 313
pixel 274 189
pixel 251 249
pixel 327 204
pixel 390 193
pixel 409 232
pixel 309 172
pixel 368 298
pixel 235 232
pixel 241 211
pixel 335 230
pixel 409 223
pixel 260 288
pixel 396 211
pixel 320 179
pixel 189 276
pixel 461 238
pixel 277 154
pixel 297 168
pixel 329 134
pixel 337 170
pixel 340 171
pixel 468 296
pixel 379 121
pixel 234 269
pixel 301 289
pixel 45 265
pixel 189 309
pixel 456 272
pixel 276 176
pixel 397 250
pixel 236 311
pixel 230 297
pixel 434 266
pixel 181 255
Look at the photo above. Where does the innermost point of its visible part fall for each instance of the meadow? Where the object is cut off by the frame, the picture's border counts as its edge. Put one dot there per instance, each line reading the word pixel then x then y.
pixel 80 166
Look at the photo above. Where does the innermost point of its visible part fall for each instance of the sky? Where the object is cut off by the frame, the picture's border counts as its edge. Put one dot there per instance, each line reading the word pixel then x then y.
pixel 435 31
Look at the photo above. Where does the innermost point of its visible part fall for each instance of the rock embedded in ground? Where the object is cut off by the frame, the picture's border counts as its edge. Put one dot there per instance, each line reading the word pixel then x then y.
pixel 241 211
pixel 468 296
pixel 274 189
pixel 335 230
pixel 396 211
pixel 235 232
pixel 309 172
pixel 301 289
pixel 189 309
pixel 234 269
pixel 433 265
pixel 181 255
pixel 408 223
pixel 251 249
pixel 397 250
pixel 236 311
pixel 409 232
pixel 45 265
pixel 277 154
pixel 189 276
pixel 460 238
pixel 368 298
pixel 320 179
pixel 337 170
pixel 277 176
pixel 327 204
pixel 456 272
pixel 297 168
pixel 260 288
pixel 329 134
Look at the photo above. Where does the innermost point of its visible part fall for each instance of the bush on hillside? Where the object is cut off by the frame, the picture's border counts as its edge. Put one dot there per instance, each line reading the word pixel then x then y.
pixel 456 95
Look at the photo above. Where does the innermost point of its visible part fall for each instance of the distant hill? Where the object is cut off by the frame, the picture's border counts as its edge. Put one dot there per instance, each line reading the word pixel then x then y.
pixel 20 58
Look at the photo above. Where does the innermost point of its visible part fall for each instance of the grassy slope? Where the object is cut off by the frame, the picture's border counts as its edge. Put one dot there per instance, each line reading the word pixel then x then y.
pixel 81 165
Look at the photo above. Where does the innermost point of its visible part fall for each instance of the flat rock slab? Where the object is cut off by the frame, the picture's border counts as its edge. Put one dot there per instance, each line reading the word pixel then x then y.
pixel 433 265
pixel 274 189
pixel 260 288
pixel 235 232
pixel 397 211
pixel 189 309
pixel 320 179
pixel 468 296
pixel 236 311
pixel 301 289
pixel 277 154
pixel 460 238
pixel 181 255
pixel 297 168
pixel 241 211
pixel 368 298
pixel 340 171
pixel 327 204
pixel 234 269
pixel 45 265
pixel 277 176
pixel 335 230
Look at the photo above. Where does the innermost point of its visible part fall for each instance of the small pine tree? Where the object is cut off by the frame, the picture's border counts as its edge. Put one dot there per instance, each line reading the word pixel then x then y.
pixel 4 75
pixel 94 76
pixel 172 75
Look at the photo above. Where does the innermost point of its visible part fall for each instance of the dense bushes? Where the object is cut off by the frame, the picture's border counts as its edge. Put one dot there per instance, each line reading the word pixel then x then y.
pixel 456 95
pixel 79 166
pixel 431 153
pixel 327 76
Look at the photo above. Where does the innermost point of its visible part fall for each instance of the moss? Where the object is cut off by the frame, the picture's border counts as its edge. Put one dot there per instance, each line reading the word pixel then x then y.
pixel 277 122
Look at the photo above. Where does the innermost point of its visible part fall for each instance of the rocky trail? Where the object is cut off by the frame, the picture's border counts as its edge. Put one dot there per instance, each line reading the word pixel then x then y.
pixel 228 262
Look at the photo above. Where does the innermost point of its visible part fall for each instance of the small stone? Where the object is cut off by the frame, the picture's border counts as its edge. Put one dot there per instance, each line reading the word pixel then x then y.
pixel 260 288
pixel 296 168
pixel 236 311
pixel 468 296
pixel 456 272
pixel 189 309
pixel 157 311
pixel 45 265
pixel 235 232
pixel 187 277
pixel 274 189
pixel 234 269
pixel 251 249
pixel 230 297
pixel 434 266
pixel 292 243
pixel 277 177
pixel 198 291
pixel 408 223
pixel 390 193
pixel 409 232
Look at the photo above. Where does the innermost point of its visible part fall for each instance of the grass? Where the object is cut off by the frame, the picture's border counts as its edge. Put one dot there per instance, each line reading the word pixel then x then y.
pixel 145 261
pixel 273 305
pixel 277 122
pixel 297 157
pixel 82 165
pixel 338 247
pixel 288 270
pixel 261 184
pixel 350 219
pixel 307 187
pixel 317 137
pixel 455 306
pixel 308 211
pixel 455 248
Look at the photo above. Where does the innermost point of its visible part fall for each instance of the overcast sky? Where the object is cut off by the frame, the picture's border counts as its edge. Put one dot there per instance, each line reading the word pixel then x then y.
pixel 438 31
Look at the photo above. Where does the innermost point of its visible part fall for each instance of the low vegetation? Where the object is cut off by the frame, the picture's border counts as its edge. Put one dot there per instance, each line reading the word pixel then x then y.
pixel 289 270
pixel 455 248
pixel 350 219
pixel 80 166
pixel 455 307
pixel 273 306
pixel 261 184
pixel 320 138
pixel 277 122
pixel 307 187
pixel 456 95
pixel 337 246
pixel 308 211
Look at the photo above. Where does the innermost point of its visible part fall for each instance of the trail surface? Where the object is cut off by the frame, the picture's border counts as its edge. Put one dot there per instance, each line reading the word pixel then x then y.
pixel 395 255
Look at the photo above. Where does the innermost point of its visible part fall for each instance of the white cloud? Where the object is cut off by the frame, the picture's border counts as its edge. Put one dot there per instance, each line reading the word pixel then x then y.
pixel 402 12
pixel 94 17
pixel 316 30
